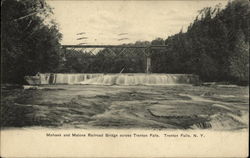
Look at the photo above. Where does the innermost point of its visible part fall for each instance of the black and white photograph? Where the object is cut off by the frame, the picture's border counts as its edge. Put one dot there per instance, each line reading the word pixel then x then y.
pixel 168 65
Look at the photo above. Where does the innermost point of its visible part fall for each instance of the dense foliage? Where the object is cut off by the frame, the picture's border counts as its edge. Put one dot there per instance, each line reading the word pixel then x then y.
pixel 29 40
pixel 215 46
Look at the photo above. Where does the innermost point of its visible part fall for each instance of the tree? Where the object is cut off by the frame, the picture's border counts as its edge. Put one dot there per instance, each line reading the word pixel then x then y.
pixel 215 46
pixel 239 61
pixel 29 39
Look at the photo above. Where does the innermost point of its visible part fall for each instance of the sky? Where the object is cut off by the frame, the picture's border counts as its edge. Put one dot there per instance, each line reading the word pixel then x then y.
pixel 118 22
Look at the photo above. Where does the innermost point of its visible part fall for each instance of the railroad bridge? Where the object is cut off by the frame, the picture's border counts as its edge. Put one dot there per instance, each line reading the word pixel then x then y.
pixel 118 50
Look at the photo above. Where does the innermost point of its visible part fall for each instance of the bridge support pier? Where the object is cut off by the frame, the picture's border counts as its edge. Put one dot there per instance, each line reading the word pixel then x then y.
pixel 148 64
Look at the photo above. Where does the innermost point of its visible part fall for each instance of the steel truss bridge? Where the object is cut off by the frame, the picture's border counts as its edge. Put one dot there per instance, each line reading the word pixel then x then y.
pixel 117 50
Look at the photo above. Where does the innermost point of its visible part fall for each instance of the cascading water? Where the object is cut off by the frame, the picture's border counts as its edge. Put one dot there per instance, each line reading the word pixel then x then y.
pixel 142 79
pixel 117 79
pixel 59 78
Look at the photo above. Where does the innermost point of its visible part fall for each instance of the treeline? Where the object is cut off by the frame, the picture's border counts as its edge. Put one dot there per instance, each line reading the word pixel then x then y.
pixel 215 46
pixel 30 41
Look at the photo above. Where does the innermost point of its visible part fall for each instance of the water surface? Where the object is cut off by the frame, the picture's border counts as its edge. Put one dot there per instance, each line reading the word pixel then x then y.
pixel 140 107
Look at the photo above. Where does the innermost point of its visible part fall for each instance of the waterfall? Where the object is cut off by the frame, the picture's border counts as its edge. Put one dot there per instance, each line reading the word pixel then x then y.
pixel 142 79
pixel 112 79
pixel 60 78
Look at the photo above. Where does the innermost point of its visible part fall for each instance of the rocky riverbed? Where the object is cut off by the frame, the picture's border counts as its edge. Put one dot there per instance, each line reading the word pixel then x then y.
pixel 216 107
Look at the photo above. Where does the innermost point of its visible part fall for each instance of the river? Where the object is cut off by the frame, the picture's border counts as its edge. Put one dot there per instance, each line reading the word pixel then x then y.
pixel 218 107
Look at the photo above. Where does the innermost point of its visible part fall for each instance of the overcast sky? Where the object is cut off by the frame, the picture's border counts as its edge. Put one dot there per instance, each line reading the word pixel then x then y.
pixel 103 21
